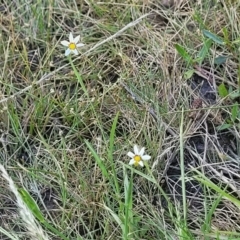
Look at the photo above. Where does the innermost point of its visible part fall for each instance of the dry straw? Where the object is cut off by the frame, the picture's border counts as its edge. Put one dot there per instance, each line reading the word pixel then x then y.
pixel 34 229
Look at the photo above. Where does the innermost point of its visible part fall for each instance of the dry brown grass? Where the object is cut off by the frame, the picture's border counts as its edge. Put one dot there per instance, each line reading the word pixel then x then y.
pixel 136 71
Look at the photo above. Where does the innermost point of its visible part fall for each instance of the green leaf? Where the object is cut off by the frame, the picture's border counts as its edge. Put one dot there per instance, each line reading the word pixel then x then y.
pixel 234 112
pixel 31 204
pixel 234 95
pixel 220 60
pixel 230 89
pixel 188 74
pixel 204 50
pixel 183 53
pixel 222 90
pixel 224 126
pixel 236 41
pixel 225 34
pixel 214 37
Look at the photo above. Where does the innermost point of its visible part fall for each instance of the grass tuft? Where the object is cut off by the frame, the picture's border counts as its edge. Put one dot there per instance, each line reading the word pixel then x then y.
pixel 163 75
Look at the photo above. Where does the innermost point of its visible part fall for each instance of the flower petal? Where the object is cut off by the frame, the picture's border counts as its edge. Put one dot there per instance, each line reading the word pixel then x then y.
pixel 65 43
pixel 70 37
pixel 132 161
pixel 146 157
pixel 141 163
pixel 80 45
pixel 75 51
pixel 130 154
pixel 67 52
pixel 136 151
pixel 141 152
pixel 76 39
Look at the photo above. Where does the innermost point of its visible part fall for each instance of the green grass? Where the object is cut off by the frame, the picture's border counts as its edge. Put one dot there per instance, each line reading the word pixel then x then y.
pixel 67 123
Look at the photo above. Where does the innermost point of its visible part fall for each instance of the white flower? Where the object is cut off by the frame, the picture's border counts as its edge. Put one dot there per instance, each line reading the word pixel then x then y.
pixel 137 156
pixel 72 44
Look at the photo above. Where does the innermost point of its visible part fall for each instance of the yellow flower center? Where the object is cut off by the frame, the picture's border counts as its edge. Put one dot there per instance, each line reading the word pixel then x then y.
pixel 72 46
pixel 137 159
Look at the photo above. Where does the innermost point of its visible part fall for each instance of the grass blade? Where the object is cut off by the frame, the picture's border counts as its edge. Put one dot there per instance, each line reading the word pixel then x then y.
pixel 32 205
pixel 214 37
pixel 222 90
pixel 207 182
pixel 182 167
pixel 183 53
pixel 204 50
pixel 98 160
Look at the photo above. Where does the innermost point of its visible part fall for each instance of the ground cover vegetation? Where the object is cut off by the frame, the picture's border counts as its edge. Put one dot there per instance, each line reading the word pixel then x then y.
pixel 130 131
